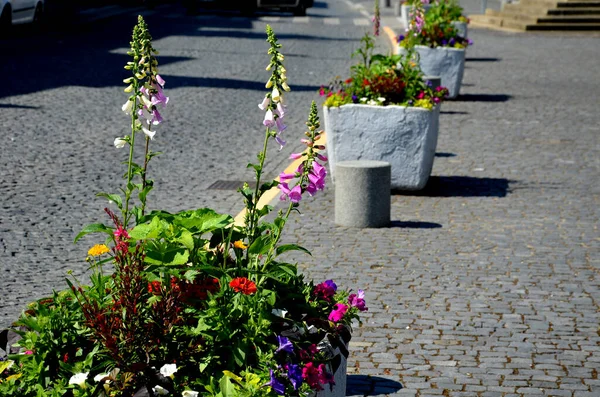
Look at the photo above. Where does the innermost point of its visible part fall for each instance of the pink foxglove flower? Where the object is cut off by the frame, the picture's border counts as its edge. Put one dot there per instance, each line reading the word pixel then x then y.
pixel 160 80
pixel 296 156
pixel 156 117
pixel 285 177
pixel 280 109
pixel 264 104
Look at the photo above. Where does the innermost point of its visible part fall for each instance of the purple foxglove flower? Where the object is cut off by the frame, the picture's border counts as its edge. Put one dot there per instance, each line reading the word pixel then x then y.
pixel 311 189
pixel 284 177
pixel 295 194
pixel 285 191
pixel 263 105
pixel 160 80
pixel 321 157
pixel 317 181
pixel 159 97
pixel 280 126
pixel 296 156
pixel 280 141
pixel 318 169
pixel 156 117
pixel 269 121
pixel 276 384
pixel 144 91
pixel 295 375
pixel 284 345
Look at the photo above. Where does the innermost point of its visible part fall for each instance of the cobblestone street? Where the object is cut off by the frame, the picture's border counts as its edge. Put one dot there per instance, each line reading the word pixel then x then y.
pixel 487 283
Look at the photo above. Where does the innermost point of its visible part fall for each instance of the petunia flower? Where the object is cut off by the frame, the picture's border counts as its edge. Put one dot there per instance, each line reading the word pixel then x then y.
pixel 295 375
pixel 79 379
pixel 284 345
pixel 276 384
pixel 338 312
pixel 168 370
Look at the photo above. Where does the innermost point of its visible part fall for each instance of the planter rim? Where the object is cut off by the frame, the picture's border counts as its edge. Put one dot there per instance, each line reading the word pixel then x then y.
pixel 441 48
pixel 417 108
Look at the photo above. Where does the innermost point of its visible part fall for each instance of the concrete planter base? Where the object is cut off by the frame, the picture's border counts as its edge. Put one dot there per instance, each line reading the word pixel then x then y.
pixel 405 137
pixel 446 62
pixel 340 377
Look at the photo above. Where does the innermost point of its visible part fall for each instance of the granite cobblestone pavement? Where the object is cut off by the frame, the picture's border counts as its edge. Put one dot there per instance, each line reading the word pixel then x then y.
pixel 487 282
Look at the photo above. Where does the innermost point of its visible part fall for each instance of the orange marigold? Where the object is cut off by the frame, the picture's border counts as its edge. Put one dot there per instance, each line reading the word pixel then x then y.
pixel 240 244
pixel 98 249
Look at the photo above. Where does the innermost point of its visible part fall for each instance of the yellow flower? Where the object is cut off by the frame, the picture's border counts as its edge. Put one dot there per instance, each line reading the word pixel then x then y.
pixel 424 103
pixel 98 249
pixel 240 244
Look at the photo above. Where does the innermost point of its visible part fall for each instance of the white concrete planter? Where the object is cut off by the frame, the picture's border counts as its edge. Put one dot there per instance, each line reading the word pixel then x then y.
pixel 340 377
pixel 461 28
pixel 405 11
pixel 446 62
pixel 405 137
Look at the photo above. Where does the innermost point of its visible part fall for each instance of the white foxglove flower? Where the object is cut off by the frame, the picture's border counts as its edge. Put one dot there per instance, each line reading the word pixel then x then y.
pixel 275 95
pixel 129 88
pixel 263 105
pixel 127 107
pixel 79 379
pixel 159 390
pixel 150 134
pixel 190 393
pixel 168 370
pixel 120 143
pixel 285 86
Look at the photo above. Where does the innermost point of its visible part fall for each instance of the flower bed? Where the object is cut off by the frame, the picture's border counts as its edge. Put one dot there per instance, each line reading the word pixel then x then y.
pixel 195 305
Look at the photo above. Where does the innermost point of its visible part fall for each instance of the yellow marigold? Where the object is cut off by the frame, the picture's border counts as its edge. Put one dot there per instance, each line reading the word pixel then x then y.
pixel 98 249
pixel 424 103
pixel 240 244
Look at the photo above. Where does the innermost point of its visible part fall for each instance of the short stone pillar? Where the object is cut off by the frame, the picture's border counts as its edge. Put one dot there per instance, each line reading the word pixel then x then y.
pixel 362 193
pixel 436 81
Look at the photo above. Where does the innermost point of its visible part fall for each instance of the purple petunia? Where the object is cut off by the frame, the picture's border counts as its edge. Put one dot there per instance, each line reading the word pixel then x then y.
pixel 284 345
pixel 276 384
pixel 295 375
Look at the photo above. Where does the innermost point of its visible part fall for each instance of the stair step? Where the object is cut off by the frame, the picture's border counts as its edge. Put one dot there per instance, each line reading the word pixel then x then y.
pixel 570 19
pixel 522 11
pixel 576 4
pixel 486 19
pixel 575 11
pixel 564 26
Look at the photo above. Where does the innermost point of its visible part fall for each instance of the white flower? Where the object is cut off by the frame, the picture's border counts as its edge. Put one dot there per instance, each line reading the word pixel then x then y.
pixel 372 102
pixel 161 391
pixel 79 379
pixel 99 377
pixel 279 312
pixel 149 134
pixel 190 393
pixel 364 99
pixel 120 143
pixel 285 86
pixel 275 95
pixel 168 370
pixel 381 99
pixel 127 107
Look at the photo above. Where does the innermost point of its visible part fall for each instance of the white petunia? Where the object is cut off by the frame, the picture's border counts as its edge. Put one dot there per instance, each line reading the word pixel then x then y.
pixel 168 370
pixel 190 393
pixel 159 390
pixel 79 379
pixel 99 377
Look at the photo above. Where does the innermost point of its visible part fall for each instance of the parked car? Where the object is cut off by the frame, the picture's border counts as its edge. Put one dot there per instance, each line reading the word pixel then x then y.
pixel 297 7
pixel 20 11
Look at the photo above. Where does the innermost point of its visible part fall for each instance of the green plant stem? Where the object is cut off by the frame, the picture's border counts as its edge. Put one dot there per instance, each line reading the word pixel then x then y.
pixel 129 163
pixel 252 216
pixel 144 173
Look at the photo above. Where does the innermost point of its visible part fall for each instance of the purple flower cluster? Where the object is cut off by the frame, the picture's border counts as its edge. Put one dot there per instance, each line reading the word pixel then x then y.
pixel 358 300
pixel 326 290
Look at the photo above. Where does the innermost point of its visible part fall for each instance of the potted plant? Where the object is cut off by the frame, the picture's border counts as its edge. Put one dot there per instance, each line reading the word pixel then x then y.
pixel 408 7
pixel 384 112
pixel 434 42
pixel 189 303
pixel 450 10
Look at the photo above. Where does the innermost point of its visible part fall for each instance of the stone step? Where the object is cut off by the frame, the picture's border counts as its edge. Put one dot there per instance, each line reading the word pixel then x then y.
pixel 576 4
pixel 530 12
pixel 565 26
pixel 575 11
pixel 486 20
pixel 576 19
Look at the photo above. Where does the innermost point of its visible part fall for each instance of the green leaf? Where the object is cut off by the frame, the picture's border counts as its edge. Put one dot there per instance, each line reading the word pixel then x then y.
pixel 261 245
pixel 94 228
pixel 202 220
pixel 112 197
pixel 270 296
pixel 291 247
pixel 187 239
pixel 191 274
pixel 227 387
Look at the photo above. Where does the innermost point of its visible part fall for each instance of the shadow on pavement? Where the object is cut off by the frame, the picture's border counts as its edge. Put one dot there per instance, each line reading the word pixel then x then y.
pixel 415 225
pixel 462 186
pixel 482 98
pixel 453 112
pixel 444 154
pixel 244 34
pixel 483 59
pixel 364 385
pixel 213 82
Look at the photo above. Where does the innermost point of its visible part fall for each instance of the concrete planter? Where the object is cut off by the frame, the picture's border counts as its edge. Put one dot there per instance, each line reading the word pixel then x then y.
pixel 405 12
pixel 340 377
pixel 461 28
pixel 405 137
pixel 446 62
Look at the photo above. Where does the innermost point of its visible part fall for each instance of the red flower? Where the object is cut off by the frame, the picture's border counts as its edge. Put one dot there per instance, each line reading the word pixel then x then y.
pixel 348 81
pixel 154 287
pixel 243 285
pixel 366 82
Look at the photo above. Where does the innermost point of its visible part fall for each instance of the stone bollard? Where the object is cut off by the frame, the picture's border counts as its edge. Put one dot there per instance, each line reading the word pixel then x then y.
pixel 436 81
pixel 362 193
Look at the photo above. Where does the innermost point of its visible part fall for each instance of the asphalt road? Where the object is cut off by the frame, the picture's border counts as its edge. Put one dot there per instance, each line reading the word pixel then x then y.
pixel 60 110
